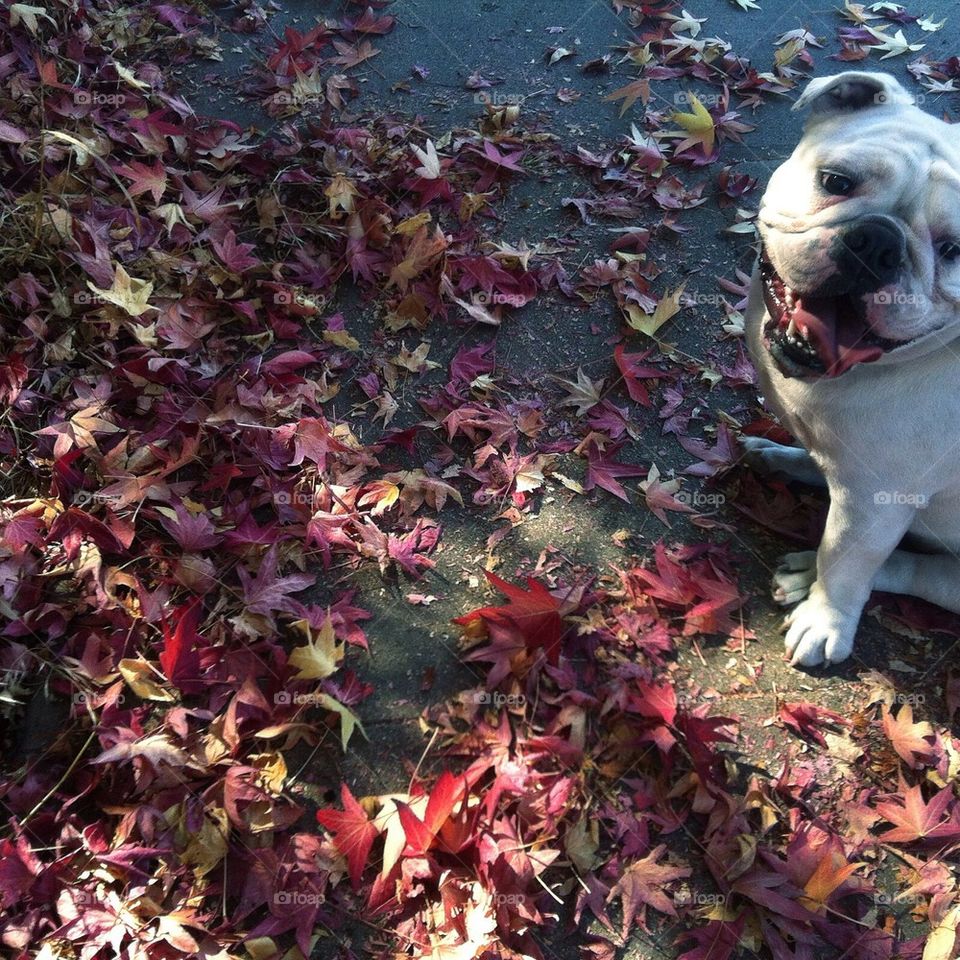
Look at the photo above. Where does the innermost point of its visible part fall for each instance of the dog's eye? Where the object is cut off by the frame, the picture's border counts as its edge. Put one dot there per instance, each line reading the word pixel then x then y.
pixel 836 183
pixel 949 250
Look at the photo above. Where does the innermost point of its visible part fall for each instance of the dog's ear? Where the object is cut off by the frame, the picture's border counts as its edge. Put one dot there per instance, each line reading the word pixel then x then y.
pixel 853 90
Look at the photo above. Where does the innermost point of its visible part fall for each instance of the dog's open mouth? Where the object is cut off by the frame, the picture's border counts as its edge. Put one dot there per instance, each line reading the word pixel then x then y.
pixel 817 336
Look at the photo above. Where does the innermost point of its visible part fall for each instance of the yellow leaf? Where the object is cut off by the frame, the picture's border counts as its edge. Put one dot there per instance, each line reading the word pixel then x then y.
pixel 127 292
pixel 422 252
pixel 348 719
pixel 144 333
pixel 261 948
pixel 28 14
pixel 307 86
pixel 172 214
pixel 699 124
pixel 388 824
pixel 382 495
pixel 414 223
pixel 82 149
pixel 787 52
pixel 940 943
pixel 340 192
pixel 320 656
pixel 140 678
pixel 824 881
pixel 207 845
pixel 129 77
pixel 272 769
pixel 340 338
pixel 666 308
pixel 569 483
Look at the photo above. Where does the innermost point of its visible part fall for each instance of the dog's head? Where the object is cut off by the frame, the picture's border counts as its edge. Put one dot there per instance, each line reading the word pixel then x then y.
pixel 860 229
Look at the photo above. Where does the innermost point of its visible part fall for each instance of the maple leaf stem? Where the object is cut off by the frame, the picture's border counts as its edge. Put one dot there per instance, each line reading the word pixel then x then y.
pixel 423 756
pixel 539 880
pixel 337 499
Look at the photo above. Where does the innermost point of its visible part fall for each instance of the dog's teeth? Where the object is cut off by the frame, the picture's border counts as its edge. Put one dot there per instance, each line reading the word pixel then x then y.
pixel 789 297
pixel 792 329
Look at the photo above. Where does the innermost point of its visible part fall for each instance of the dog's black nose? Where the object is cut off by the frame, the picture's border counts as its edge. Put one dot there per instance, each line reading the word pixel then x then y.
pixel 870 254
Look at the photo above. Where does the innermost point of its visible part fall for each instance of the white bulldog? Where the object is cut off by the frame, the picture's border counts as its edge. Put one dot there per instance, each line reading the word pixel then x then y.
pixel 854 326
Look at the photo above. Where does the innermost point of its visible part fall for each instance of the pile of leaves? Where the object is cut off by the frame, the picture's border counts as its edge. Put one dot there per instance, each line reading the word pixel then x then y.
pixel 599 778
pixel 221 403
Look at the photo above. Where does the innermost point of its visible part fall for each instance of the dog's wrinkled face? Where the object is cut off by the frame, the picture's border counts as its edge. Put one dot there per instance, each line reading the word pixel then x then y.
pixel 860 229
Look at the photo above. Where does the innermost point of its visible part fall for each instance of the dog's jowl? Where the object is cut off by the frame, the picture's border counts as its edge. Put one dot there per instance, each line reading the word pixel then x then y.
pixel 854 325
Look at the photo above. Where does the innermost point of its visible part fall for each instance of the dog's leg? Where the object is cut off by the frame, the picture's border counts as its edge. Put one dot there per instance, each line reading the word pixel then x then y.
pixel 929 576
pixel 858 538
pixel 794 462
pixel 793 578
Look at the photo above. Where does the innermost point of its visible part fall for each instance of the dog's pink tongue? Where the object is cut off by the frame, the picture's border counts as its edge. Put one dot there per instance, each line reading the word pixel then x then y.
pixel 839 346
pixel 816 318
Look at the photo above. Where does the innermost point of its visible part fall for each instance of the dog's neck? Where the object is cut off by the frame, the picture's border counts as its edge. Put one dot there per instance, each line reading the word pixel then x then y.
pixel 921 346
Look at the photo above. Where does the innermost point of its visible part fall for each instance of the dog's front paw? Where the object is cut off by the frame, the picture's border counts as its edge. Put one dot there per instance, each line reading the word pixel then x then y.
pixel 818 633
pixel 765 455
pixel 792 579
pixel 794 463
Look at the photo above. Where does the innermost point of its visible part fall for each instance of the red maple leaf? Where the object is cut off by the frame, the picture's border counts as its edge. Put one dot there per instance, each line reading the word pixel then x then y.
pixel 312 440
pixel 715 940
pixel 179 659
pixel 508 161
pixel 916 820
pixel 370 23
pixel 633 371
pixel 207 208
pixel 714 459
pixel 534 613
pixel 152 180
pixel 353 833
pixel 192 532
pixel 267 592
pixel 234 256
pixel 602 471
pixel 804 718
pixel 437 823
pixel 642 884
pixel 914 742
